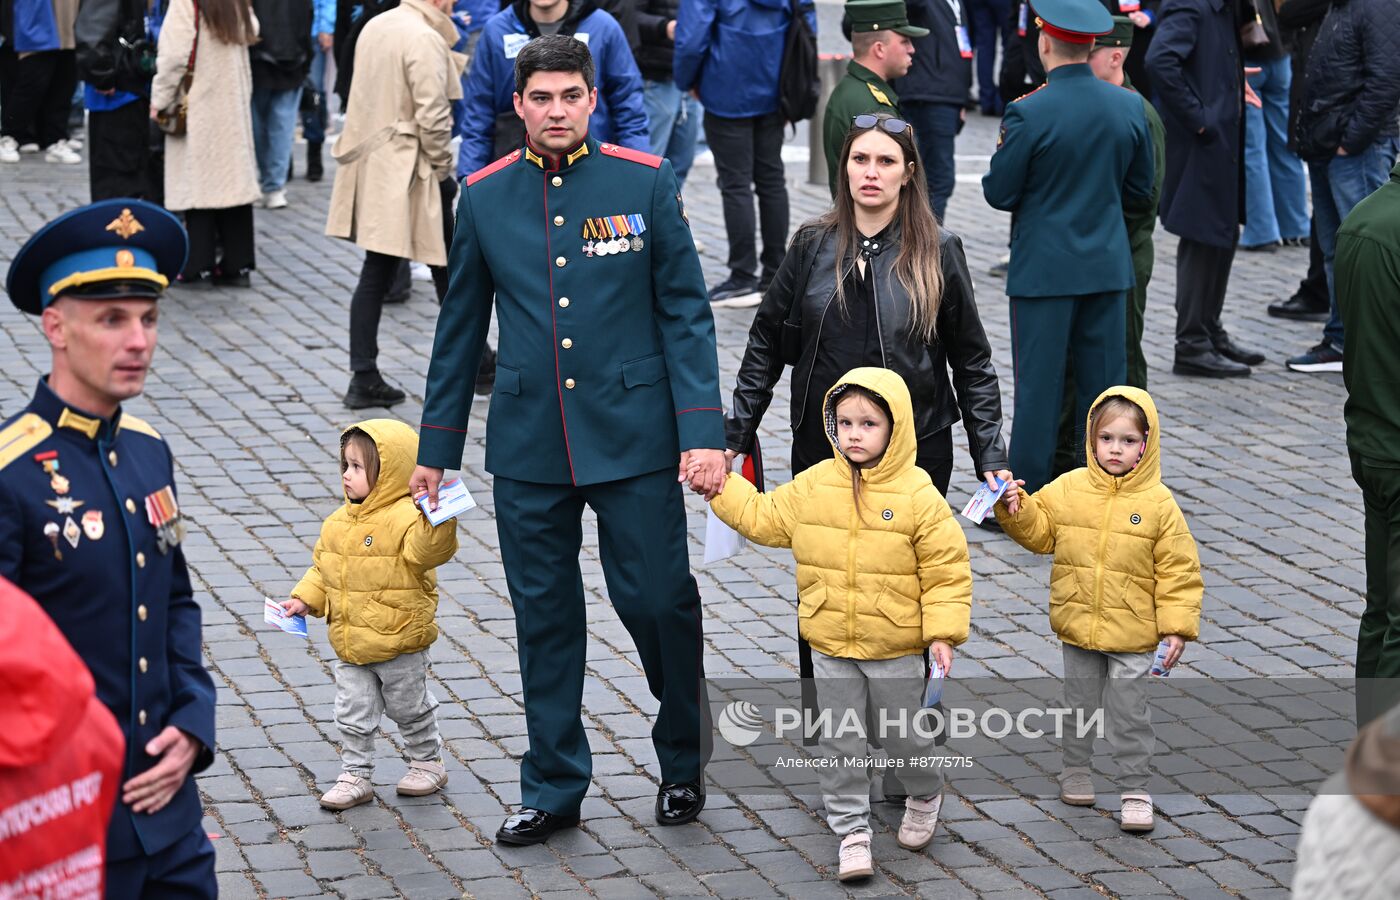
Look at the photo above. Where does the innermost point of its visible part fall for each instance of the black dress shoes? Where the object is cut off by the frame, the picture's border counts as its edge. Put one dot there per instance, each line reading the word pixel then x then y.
pixel 532 826
pixel 1208 364
pixel 1301 309
pixel 1230 350
pixel 369 390
pixel 677 804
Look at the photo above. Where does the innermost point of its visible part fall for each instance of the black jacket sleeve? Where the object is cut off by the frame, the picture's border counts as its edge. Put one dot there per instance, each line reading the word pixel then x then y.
pixel 970 358
pixel 1375 108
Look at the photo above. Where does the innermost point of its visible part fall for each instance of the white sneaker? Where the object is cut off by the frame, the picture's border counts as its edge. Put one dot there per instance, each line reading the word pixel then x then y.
pixel 855 857
pixel 420 272
pixel 1136 814
pixel 275 200
pixel 75 144
pixel 28 148
pixel 9 150
pixel 59 152
pixel 1076 787
pixel 348 790
pixel 920 821
pixel 422 779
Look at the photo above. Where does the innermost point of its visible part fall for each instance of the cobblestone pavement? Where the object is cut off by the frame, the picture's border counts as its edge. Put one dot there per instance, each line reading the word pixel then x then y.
pixel 247 389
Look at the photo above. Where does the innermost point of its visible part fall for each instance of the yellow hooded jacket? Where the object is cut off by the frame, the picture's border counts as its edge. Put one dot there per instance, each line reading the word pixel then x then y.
pixel 1126 573
pixel 372 573
pixel 880 585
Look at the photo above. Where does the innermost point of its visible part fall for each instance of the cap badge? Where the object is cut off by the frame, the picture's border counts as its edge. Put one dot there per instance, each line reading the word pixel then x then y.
pixel 125 225
pixel 125 259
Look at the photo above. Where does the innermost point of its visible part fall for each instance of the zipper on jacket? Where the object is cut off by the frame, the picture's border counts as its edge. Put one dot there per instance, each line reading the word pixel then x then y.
pixel 875 296
pixel 801 416
pixel 852 535
pixel 1098 565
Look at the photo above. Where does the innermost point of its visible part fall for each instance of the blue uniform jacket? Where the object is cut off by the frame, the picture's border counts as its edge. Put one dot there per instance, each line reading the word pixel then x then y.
pixel 619 118
pixel 732 50
pixel 35 27
pixel 606 365
pixel 79 541
pixel 1069 153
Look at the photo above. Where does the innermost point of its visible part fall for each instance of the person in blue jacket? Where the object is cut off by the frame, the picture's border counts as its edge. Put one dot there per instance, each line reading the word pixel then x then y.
pixel 731 52
pixel 620 116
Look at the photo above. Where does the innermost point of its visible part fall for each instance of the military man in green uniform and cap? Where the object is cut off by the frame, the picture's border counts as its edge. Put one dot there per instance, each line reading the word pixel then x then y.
pixel 880 33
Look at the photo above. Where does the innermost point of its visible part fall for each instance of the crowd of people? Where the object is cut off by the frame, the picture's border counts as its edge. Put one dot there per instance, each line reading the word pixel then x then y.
pixel 477 135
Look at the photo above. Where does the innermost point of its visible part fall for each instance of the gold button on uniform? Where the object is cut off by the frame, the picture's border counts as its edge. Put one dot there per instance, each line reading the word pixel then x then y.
pixel 142 663
pixel 563 302
pixel 112 457
pixel 569 383
pixel 560 262
pixel 566 343
pixel 130 505
pixel 141 717
pixel 140 560
pixel 558 220
pixel 556 181
pixel 141 612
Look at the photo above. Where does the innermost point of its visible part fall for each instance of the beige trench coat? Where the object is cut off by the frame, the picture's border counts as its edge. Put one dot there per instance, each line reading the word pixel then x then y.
pixel 396 145
pixel 213 165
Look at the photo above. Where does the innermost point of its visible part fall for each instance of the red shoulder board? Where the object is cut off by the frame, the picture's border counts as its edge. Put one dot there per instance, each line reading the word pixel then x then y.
pixel 495 167
pixel 635 156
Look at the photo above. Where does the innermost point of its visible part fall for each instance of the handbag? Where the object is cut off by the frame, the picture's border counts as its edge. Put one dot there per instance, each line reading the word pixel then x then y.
pixel 1252 34
pixel 173 119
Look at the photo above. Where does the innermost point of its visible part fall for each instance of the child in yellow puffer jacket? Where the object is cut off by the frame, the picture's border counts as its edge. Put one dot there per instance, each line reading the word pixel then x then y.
pixel 372 577
pixel 882 575
pixel 1126 576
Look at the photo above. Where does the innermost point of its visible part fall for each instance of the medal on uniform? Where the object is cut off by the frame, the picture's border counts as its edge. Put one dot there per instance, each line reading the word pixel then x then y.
pixel 164 516
pixel 51 532
pixel 637 226
pixel 92 525
pixel 49 460
pixel 72 533
pixel 64 506
pixel 589 249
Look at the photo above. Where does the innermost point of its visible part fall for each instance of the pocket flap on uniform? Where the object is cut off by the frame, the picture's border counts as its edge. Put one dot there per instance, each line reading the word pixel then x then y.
pixel 810 599
pixel 647 370
pixel 507 380
pixel 899 609
pixel 384 618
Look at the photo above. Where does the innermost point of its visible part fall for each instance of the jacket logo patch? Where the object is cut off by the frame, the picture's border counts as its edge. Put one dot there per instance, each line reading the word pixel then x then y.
pixel 1135 519
pixel 369 539
pixel 888 514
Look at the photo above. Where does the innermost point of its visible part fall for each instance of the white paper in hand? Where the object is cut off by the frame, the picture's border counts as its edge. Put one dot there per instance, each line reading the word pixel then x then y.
pixel 274 614
pixel 453 500
pixel 983 500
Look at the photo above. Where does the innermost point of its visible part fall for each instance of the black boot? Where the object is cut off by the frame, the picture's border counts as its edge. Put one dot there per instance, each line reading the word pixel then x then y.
pixel 369 389
pixel 314 171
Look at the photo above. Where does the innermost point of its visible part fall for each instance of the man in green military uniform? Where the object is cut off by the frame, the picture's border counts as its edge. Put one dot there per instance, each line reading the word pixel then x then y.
pixel 606 380
pixel 1070 153
pixel 880 33
pixel 1368 295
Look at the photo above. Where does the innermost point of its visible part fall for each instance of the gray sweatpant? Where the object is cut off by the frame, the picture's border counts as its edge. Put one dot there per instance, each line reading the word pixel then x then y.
pixel 1117 684
pixel 892 685
pixel 398 687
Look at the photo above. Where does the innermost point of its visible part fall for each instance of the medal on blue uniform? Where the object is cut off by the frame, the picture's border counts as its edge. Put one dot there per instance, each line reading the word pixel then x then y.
pixel 64 506
pixel 92 525
pixel 72 533
pixel 49 460
pixel 164 515
pixel 51 532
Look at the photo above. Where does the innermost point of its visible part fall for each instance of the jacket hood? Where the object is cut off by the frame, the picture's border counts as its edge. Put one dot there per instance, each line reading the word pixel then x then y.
pixel 1148 471
pixel 397 444
pixel 888 386
pixel 45 684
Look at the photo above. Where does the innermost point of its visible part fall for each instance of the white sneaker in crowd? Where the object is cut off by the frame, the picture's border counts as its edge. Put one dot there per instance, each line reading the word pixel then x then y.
pixel 75 144
pixel 348 790
pixel 855 857
pixel 919 823
pixel 1076 787
pixel 1136 813
pixel 275 200
pixel 59 152
pixel 423 778
pixel 28 148
pixel 420 272
pixel 9 150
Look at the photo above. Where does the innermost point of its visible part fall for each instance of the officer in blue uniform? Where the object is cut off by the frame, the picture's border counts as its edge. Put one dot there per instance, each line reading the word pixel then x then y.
pixel 90 527
pixel 1069 153
pixel 606 376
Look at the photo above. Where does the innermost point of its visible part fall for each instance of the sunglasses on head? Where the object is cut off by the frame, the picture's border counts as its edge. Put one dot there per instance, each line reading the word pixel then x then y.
pixel 892 126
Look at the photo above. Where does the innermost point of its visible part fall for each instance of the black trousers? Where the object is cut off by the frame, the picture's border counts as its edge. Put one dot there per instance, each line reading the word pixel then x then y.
pixel 211 229
pixel 119 153
pixel 379 275
pixel 1202 275
pixel 39 99
pixel 749 159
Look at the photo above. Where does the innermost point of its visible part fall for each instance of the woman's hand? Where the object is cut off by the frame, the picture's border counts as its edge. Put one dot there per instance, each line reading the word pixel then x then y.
pixel 942 652
pixel 295 607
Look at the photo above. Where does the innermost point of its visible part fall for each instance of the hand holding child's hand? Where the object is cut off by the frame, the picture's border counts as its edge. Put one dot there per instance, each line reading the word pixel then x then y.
pixel 942 653
pixel 1175 644
pixel 295 607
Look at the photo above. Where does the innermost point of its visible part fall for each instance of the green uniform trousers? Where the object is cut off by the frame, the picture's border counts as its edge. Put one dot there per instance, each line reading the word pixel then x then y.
pixel 1378 638
pixel 646 564
pixel 1047 333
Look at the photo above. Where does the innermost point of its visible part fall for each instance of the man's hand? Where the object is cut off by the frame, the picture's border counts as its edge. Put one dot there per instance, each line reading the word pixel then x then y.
pixel 425 480
pixel 991 477
pixel 1342 151
pixel 153 789
pixel 706 470
pixel 1175 644
pixel 326 40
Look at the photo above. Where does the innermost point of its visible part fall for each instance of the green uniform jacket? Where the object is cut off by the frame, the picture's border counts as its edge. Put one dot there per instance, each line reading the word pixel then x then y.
pixel 1070 154
pixel 606 366
pixel 1368 294
pixel 1141 215
pixel 859 91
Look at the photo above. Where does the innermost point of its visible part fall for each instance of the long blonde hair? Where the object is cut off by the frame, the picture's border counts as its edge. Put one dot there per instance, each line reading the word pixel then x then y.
pixel 919 266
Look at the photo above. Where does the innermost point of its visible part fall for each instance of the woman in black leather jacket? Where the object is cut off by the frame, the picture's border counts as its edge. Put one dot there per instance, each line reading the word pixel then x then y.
pixel 904 302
